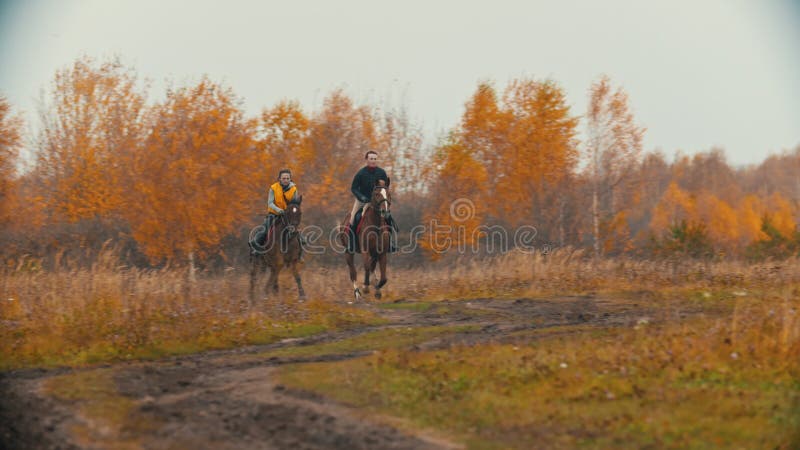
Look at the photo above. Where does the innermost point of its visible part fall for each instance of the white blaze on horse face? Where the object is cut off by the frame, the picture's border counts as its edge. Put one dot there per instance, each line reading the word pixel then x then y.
pixel 383 194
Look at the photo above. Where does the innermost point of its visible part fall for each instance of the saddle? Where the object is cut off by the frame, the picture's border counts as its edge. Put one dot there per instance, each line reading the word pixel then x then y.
pixel 353 234
pixel 258 241
pixel 358 219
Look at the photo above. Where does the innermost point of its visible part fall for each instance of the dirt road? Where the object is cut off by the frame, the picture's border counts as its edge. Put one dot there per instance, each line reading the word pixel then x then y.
pixel 229 399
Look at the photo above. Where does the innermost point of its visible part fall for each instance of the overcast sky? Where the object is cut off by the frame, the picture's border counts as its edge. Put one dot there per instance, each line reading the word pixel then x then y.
pixel 699 73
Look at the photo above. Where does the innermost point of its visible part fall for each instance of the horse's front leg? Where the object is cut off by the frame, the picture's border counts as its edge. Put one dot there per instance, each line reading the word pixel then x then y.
pixel 253 276
pixel 296 272
pixel 273 278
pixel 351 265
pixel 369 267
pixel 382 260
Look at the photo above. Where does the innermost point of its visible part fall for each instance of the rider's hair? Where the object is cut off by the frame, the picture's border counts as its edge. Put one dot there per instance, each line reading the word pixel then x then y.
pixel 283 171
pixel 371 152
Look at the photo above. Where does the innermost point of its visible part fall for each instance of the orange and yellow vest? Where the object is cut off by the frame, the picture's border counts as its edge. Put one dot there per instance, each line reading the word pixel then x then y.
pixel 281 198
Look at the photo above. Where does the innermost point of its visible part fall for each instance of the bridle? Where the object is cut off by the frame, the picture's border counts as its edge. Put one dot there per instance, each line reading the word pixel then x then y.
pixel 290 229
pixel 383 213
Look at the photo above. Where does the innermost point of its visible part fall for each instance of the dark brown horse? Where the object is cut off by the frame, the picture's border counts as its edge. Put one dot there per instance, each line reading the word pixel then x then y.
pixel 373 239
pixel 282 248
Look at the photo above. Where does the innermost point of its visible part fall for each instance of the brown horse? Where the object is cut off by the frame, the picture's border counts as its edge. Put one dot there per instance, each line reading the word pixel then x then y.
pixel 372 238
pixel 281 248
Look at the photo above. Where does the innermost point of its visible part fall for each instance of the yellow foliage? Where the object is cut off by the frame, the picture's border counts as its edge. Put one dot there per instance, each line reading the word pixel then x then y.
pixel 676 205
pixel 721 220
pixel 94 121
pixel 194 178
pixel 455 222
pixel 782 214
pixel 10 142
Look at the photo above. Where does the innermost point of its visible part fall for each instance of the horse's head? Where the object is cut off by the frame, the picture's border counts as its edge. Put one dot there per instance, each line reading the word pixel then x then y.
pixel 292 215
pixel 381 200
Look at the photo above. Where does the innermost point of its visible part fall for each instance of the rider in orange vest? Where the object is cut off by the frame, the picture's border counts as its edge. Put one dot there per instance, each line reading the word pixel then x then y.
pixel 280 194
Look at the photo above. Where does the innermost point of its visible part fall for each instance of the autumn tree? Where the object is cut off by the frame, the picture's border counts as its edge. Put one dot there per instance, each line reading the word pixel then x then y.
pixel 282 138
pixel 403 152
pixel 539 157
pixel 613 150
pixel 340 134
pixel 196 174
pixel 93 120
pixel 459 187
pixel 10 143
pixel 509 158
pixel 676 206
pixel 654 175
pixel 484 131
pixel 460 170
pixel 282 134
pixel 777 173
pixel 708 171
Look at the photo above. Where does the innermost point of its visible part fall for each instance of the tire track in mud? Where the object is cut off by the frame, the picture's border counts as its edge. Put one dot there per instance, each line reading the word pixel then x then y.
pixel 228 399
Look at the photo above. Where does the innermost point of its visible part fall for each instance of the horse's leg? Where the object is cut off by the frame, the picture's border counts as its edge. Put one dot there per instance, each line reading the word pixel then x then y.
pixel 296 272
pixel 368 267
pixel 382 260
pixel 253 276
pixel 351 265
pixel 273 278
pixel 371 271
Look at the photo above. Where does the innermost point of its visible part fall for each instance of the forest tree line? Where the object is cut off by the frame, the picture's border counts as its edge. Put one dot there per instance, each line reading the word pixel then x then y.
pixel 185 177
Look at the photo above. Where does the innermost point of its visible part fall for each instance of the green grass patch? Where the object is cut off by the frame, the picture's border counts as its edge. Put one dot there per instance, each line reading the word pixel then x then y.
pixel 695 385
pixel 104 331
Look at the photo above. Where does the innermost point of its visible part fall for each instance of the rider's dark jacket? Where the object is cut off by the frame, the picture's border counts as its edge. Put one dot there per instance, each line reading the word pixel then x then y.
pixel 364 182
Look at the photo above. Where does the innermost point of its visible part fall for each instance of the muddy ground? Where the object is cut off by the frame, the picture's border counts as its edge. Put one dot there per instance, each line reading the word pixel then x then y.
pixel 229 400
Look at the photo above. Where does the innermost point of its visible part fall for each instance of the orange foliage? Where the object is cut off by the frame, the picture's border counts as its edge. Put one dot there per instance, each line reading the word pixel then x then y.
pixel 728 228
pixel 193 170
pixel 454 222
pixel 196 175
pixel 616 234
pixel 721 221
pixel 10 141
pixel 283 135
pixel 94 120
pixel 675 206
pixel 340 135
pixel 781 214
pixel 541 150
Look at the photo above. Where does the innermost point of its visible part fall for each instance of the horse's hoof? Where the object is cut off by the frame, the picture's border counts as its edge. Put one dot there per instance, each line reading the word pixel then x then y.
pixel 357 294
pixel 378 294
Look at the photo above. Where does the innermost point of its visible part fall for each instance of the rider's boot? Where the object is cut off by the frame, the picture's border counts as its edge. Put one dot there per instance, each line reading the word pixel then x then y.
pixel 392 234
pixel 257 246
pixel 351 241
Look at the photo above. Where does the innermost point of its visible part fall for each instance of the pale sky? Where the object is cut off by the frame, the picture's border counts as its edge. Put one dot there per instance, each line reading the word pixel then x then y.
pixel 699 74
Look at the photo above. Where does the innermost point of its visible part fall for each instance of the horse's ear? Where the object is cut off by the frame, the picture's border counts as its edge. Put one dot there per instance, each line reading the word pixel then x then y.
pixel 299 199
pixel 388 180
